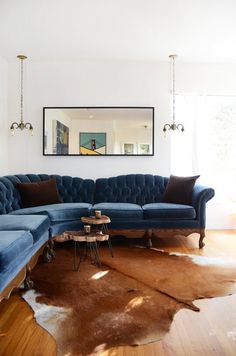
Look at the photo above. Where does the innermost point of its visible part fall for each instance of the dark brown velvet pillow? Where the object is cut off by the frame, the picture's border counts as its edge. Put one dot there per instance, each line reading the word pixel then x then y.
pixel 39 193
pixel 179 190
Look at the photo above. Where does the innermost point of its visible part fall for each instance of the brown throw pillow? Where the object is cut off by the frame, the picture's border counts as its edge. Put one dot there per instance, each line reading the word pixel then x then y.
pixel 179 190
pixel 39 193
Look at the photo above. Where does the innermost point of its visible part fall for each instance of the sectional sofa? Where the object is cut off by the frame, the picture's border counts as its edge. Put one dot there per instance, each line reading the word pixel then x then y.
pixel 133 202
pixel 22 240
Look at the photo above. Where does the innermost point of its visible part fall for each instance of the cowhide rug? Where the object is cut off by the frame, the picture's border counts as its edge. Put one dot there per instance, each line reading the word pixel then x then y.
pixel 130 300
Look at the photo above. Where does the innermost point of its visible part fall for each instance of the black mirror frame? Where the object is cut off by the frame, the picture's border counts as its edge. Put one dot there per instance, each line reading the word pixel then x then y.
pixel 100 107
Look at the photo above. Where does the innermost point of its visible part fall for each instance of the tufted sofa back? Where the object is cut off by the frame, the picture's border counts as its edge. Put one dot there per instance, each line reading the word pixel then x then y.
pixel 70 189
pixel 132 188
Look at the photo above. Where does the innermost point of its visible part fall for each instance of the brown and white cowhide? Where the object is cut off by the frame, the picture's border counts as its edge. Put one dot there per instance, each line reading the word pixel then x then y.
pixel 131 300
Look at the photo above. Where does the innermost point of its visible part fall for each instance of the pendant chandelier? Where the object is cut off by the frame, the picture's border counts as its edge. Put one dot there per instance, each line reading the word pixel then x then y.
pixel 173 126
pixel 21 125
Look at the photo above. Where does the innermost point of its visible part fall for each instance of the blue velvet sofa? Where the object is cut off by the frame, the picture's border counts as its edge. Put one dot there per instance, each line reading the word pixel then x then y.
pixel 22 240
pixel 134 203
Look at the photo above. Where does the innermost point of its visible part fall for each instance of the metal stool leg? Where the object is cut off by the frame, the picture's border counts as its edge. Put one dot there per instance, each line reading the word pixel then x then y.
pixel 76 255
pixel 110 247
pixel 93 255
pixel 95 258
pixel 97 254
pixel 90 250
pixel 105 228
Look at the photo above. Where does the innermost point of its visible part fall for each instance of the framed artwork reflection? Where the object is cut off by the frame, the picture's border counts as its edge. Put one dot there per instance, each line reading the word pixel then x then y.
pixel 129 148
pixel 60 138
pixel 144 148
pixel 92 143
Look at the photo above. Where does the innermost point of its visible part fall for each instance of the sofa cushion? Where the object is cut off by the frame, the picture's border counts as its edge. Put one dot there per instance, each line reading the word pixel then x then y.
pixel 35 224
pixel 58 212
pixel 13 243
pixel 168 211
pixel 58 228
pixel 179 190
pixel 38 193
pixel 119 210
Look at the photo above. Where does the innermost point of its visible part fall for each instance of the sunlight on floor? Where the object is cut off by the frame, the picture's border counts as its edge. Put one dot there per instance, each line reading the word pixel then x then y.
pixel 100 348
pixel 99 275
pixel 110 352
pixel 232 334
pixel 205 260
pixel 135 302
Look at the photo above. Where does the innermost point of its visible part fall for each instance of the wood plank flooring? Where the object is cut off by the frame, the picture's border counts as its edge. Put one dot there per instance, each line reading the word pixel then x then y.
pixel 19 332
pixel 212 331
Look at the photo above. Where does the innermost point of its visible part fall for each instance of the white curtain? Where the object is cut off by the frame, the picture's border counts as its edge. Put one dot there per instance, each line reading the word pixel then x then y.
pixel 208 145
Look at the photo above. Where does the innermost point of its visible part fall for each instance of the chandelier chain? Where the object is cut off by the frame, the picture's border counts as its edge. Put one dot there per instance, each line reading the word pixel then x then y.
pixel 173 88
pixel 22 94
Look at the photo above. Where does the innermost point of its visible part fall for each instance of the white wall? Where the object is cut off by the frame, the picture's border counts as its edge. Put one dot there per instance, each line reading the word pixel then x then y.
pixel 98 83
pixel 4 133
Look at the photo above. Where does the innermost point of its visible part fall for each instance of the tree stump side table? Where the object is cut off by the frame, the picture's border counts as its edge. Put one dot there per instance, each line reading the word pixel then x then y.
pixel 91 244
pixel 101 228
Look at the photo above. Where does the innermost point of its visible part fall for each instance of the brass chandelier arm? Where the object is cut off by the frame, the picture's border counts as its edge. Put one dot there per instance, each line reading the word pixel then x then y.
pixel 173 127
pixel 21 125
pixel 166 127
pixel 180 127
pixel 14 125
pixel 29 126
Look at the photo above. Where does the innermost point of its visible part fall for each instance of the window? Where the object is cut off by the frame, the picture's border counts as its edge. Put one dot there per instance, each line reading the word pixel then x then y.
pixel 208 145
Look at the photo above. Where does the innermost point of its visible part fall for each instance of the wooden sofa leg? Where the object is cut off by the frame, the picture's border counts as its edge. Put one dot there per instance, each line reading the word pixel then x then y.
pixel 51 249
pixel 47 257
pixel 28 283
pixel 149 235
pixel 202 235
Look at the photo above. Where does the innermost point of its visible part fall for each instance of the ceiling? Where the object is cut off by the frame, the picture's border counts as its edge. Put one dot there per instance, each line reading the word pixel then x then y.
pixel 139 114
pixel 122 118
pixel 150 30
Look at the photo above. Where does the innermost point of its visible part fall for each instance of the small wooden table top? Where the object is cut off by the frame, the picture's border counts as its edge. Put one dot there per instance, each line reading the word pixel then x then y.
pixel 92 220
pixel 80 236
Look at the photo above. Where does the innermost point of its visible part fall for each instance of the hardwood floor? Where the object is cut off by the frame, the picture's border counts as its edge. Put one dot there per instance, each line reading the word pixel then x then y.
pixel 212 331
pixel 19 332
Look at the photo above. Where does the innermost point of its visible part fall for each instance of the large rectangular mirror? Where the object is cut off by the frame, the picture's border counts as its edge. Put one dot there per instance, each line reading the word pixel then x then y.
pixel 96 131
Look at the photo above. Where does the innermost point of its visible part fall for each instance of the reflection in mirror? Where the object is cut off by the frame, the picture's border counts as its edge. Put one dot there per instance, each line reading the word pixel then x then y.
pixel 98 131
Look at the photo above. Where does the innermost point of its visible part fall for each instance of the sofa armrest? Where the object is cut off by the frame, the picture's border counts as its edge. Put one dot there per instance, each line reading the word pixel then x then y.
pixel 200 197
